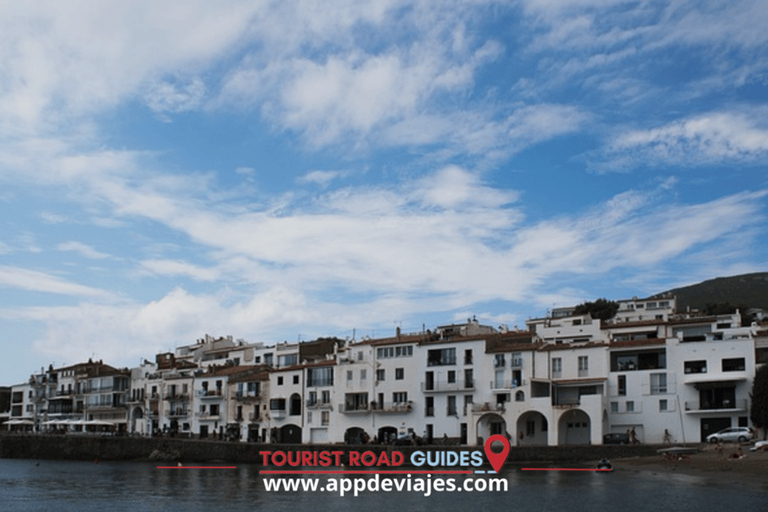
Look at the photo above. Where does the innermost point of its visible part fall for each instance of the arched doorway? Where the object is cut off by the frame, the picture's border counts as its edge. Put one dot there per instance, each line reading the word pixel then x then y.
pixel 490 424
pixel 137 415
pixel 354 435
pixel 387 435
pixel 532 429
pixel 574 428
pixel 290 434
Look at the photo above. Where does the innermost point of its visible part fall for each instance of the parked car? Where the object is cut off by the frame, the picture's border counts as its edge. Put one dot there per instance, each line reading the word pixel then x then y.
pixel 740 434
pixel 616 438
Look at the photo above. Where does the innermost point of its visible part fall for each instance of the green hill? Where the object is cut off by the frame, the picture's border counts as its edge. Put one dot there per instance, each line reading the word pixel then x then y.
pixel 745 290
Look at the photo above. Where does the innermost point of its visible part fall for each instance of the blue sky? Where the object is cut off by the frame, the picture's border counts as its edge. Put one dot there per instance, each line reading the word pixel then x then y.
pixel 286 170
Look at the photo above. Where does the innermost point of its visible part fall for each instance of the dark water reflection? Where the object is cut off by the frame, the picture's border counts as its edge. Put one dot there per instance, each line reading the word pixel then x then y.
pixel 56 485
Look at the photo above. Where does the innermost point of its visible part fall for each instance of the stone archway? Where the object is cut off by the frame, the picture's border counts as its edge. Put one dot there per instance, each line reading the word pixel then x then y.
pixel 137 415
pixel 490 424
pixel 532 429
pixel 387 435
pixel 290 434
pixel 574 428
pixel 355 435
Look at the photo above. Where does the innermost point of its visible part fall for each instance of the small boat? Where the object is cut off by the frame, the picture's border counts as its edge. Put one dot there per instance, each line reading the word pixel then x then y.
pixel 604 465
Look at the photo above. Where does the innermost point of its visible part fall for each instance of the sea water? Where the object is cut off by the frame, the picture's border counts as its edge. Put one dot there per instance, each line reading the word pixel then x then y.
pixel 29 485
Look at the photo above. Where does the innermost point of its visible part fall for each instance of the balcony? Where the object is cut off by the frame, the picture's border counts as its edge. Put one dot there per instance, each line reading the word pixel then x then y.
pixel 277 414
pixel 176 396
pixel 503 384
pixel 206 416
pixel 392 407
pixel 354 408
pixel 318 405
pixel 254 417
pixel 485 407
pixel 517 363
pixel 177 413
pixel 443 386
pixel 248 397
pixel 208 393
pixel 719 406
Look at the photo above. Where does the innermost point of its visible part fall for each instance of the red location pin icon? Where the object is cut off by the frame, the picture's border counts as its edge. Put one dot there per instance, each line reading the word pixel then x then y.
pixel 497 460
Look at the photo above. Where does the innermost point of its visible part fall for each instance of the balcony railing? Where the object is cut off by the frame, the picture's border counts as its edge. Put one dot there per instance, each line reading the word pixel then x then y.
pixel 206 416
pixel 506 384
pixel 176 396
pixel 208 393
pixel 354 408
pixel 444 385
pixel 177 413
pixel 254 416
pixel 318 405
pixel 723 405
pixel 392 407
pixel 488 407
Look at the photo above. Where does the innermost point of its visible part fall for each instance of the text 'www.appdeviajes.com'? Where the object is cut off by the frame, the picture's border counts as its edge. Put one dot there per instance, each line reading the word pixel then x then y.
pixel 355 486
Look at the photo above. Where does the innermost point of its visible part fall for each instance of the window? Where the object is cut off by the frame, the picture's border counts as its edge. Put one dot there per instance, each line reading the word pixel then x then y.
pixel 320 377
pixel 312 400
pixel 614 406
pixel 326 396
pixel 498 360
pixel 279 381
pixel 469 379
pixel 734 365
pixel 622 380
pixel 325 418
pixel 695 367
pixel 399 373
pixel 468 356
pixel 451 377
pixel 277 404
pixel 380 374
pixel 287 360
pixel 451 409
pixel 663 405
pixel 630 406
pixel 658 383
pixel 400 397
pixel 467 402
pixel 363 374
pixel 557 367
pixel 430 406
pixel 295 379
pixel 349 375
pixel 441 357
pixel 583 363
pixel 360 356
pixel 401 351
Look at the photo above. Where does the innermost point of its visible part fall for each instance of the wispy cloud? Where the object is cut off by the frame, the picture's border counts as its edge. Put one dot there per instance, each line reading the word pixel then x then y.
pixel 82 249
pixel 32 280
pixel 708 139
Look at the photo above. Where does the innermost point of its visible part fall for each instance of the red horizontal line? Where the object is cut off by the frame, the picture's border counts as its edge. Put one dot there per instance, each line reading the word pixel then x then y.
pixel 196 467
pixel 344 472
pixel 564 469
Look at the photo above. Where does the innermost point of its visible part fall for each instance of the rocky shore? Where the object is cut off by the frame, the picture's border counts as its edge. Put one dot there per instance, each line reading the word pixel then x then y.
pixel 710 466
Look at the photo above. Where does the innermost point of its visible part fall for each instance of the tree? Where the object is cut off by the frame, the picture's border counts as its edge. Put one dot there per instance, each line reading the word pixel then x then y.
pixel 759 395
pixel 603 309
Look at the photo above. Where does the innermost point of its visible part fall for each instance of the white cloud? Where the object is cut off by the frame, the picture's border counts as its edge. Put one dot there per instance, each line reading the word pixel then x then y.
pixel 321 178
pixel 165 96
pixel 32 280
pixel 179 268
pixel 705 139
pixel 82 249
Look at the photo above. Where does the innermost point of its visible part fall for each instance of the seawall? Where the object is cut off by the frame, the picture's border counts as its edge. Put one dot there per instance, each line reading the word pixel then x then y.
pixel 104 448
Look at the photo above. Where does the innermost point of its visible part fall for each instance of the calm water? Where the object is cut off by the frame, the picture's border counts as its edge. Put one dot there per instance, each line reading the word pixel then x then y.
pixel 86 486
